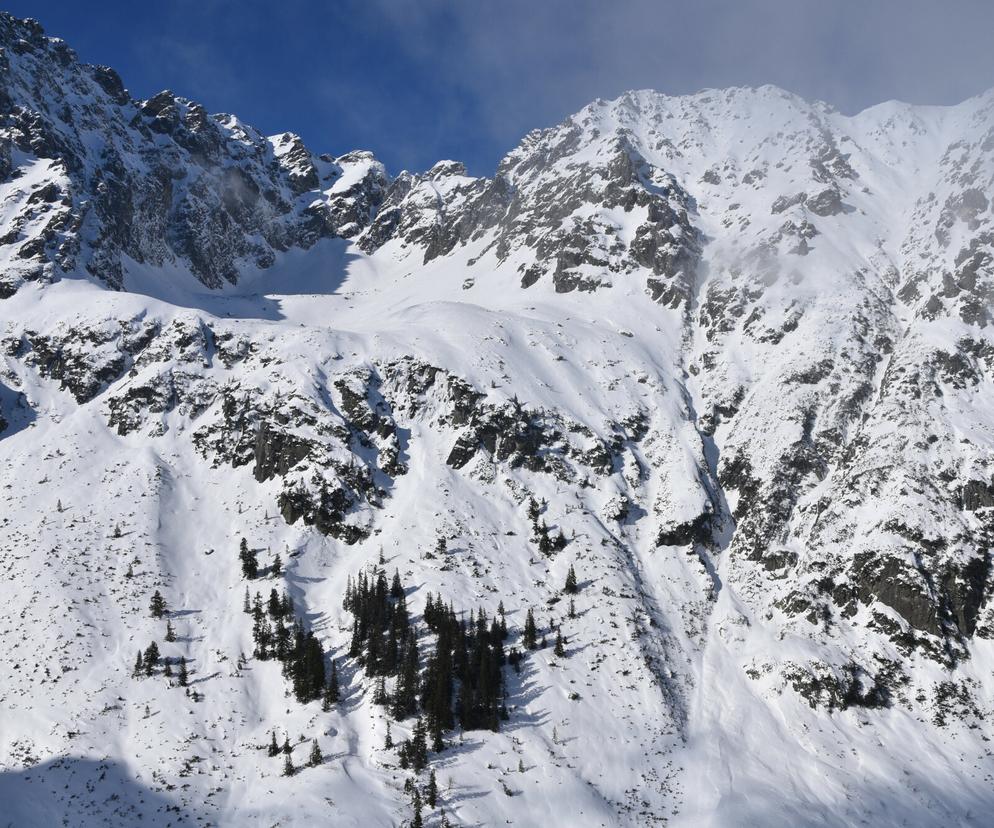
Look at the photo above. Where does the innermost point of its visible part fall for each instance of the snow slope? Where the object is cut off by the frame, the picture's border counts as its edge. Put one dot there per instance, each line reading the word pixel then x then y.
pixel 737 343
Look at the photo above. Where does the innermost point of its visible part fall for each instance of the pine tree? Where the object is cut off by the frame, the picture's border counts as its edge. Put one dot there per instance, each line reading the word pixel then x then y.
pixel 559 651
pixel 151 658
pixel 288 768
pixel 157 606
pixel 570 588
pixel 572 609
pixel 388 739
pixel 531 633
pixel 432 794
pixel 315 757
pixel 418 820
pixel 139 666
pixel 131 570
pixel 380 693
pixel 58 506
pixel 331 693
pixel 419 747
pixel 286 745
pixel 249 560
pixel 247 605
pixel 277 566
pixel 117 530
pixel 183 677
pixel 274 748
pixel 170 635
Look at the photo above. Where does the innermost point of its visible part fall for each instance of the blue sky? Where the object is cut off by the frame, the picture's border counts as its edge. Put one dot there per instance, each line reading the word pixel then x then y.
pixel 421 80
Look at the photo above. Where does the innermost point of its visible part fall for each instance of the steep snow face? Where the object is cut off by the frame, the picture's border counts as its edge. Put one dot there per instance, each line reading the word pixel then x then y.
pixel 736 345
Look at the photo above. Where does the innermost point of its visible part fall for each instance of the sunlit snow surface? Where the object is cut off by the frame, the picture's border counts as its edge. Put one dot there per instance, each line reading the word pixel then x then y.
pixel 681 713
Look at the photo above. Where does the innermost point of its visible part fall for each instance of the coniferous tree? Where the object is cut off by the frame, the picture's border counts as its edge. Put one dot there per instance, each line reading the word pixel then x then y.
pixel 151 658
pixel 286 745
pixel 396 590
pixel 417 821
pixel 432 793
pixel 315 758
pixel 274 748
pixel 531 633
pixel 139 665
pixel 157 606
pixel 570 588
pixel 247 605
pixel 419 747
pixel 388 739
pixel 533 510
pixel 380 693
pixel 277 566
pixel 331 691
pixel 249 560
pixel 572 609
pixel 559 649
pixel 170 634
pixel 288 768
pixel 183 676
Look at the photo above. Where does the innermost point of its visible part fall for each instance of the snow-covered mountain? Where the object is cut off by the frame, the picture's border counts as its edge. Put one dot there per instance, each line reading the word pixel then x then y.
pixel 729 356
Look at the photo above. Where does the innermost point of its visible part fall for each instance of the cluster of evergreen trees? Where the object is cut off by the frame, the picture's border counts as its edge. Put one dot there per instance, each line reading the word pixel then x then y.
pixel 314 758
pixel 461 679
pixel 148 660
pixel 279 634
pixel 541 534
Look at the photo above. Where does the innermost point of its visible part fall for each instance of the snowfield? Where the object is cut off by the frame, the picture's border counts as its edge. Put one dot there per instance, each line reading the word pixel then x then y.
pixel 736 346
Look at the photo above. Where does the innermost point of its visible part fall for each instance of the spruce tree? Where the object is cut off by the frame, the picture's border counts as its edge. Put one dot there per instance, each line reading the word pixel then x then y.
pixel 249 560
pixel 418 820
pixel 559 650
pixel 151 658
pixel 277 566
pixel 315 757
pixel 570 588
pixel 419 747
pixel 183 677
pixel 380 693
pixel 274 748
pixel 531 633
pixel 331 693
pixel 286 746
pixel 288 768
pixel 572 609
pixel 388 739
pixel 139 666
pixel 157 606
pixel 170 635
pixel 432 793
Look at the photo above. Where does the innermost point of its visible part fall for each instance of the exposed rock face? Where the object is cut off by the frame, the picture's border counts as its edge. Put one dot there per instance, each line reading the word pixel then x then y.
pixel 103 180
